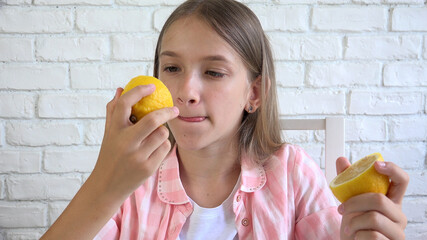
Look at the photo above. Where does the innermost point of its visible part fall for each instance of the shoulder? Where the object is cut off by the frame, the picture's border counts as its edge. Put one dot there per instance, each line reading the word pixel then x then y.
pixel 294 165
pixel 290 156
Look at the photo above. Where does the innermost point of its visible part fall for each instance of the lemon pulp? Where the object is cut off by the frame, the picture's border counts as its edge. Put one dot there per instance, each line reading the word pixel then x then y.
pixel 360 177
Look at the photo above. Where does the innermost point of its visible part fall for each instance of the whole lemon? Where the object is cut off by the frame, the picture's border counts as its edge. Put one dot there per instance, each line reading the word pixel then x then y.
pixel 160 98
pixel 360 177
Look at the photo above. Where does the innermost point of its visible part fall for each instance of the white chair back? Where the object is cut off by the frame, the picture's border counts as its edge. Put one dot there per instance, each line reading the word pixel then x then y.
pixel 334 128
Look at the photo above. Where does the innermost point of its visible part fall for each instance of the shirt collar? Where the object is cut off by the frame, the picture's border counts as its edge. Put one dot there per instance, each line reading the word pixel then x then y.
pixel 170 189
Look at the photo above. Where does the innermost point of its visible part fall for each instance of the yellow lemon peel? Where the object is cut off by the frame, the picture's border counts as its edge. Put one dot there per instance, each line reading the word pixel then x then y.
pixel 360 177
pixel 160 98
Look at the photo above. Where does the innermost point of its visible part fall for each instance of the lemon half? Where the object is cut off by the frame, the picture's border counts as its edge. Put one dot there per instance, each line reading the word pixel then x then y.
pixel 360 177
pixel 160 98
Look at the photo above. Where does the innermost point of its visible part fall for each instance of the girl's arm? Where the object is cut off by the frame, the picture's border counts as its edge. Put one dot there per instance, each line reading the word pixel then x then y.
pixel 130 153
pixel 373 215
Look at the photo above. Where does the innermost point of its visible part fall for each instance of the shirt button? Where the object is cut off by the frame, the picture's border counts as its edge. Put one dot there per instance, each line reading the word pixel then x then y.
pixel 245 222
pixel 238 198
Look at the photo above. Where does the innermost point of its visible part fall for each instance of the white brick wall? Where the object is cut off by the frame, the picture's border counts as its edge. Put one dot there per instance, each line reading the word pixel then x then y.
pixel 60 61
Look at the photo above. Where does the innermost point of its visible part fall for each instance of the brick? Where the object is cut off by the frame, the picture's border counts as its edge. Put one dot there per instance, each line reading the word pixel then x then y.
pixel 74 2
pixel 105 76
pixel 24 234
pixel 380 103
pixel 33 77
pixel 417 183
pixel 160 16
pixel 32 20
pixel 277 18
pixel 345 74
pixel 42 187
pixel 289 74
pixel 2 189
pixel 16 2
pixel 416 231
pixel 20 161
pixel 14 105
pixel 417 2
pixel 306 48
pixel 415 209
pixel 149 2
pixel 94 132
pixel 297 136
pixel 411 129
pixel 297 1
pixel 405 1
pixel 405 74
pixel 319 136
pixel 1 134
pixel 139 48
pixel 22 214
pixel 407 156
pixel 55 209
pixel 382 47
pixel 365 129
pixel 425 47
pixel 349 19
pixel 113 20
pixel 334 1
pixel 311 102
pixel 315 151
pixel 72 49
pixel 16 49
pixel 70 161
pixel 72 105
pixel 409 19
pixel 368 1
pixel 42 133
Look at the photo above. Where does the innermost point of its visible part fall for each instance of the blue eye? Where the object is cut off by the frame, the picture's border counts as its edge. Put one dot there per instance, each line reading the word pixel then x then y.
pixel 215 74
pixel 171 69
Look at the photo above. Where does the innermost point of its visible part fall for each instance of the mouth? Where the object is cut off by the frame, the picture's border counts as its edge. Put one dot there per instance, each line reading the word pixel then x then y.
pixel 192 119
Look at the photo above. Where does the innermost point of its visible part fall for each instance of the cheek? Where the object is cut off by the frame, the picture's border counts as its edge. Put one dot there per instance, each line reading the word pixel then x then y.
pixel 228 100
pixel 170 86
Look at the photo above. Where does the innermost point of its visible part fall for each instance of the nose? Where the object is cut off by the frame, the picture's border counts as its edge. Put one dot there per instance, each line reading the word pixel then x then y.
pixel 188 93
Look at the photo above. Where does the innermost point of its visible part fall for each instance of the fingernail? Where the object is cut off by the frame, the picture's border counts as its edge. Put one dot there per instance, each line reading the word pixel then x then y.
pixel 341 209
pixel 381 164
pixel 151 86
pixel 176 110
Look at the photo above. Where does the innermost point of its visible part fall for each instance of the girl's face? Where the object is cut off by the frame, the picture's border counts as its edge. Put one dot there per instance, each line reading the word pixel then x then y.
pixel 209 84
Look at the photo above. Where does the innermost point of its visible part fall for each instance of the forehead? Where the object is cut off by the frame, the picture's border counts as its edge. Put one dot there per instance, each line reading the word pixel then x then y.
pixel 193 35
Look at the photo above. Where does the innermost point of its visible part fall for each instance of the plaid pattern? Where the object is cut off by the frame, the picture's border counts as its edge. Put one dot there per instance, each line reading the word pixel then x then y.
pixel 286 199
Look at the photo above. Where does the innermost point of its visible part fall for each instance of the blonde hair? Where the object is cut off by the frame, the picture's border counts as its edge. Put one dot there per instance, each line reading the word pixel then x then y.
pixel 259 133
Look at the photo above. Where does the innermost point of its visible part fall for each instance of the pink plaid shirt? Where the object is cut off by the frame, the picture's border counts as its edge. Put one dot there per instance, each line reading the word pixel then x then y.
pixel 286 199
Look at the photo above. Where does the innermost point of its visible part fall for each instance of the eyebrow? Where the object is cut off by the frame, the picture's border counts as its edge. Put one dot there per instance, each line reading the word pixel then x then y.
pixel 220 58
pixel 168 53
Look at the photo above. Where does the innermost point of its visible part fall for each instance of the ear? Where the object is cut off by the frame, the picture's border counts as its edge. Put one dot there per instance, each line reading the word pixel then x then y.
pixel 254 100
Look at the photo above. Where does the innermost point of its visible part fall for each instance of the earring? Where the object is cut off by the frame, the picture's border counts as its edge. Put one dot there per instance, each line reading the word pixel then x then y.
pixel 250 109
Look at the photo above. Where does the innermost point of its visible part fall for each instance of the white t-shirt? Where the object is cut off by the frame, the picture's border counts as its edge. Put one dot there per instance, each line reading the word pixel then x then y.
pixel 211 223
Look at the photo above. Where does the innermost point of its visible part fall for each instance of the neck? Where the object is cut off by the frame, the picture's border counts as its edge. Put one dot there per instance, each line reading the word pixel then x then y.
pixel 209 175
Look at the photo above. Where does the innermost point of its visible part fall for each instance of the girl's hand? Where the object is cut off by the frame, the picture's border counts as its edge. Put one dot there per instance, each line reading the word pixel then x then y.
pixel 373 215
pixel 130 153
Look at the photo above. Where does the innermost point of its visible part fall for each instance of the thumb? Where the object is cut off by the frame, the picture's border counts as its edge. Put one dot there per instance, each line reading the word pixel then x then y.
pixel 342 164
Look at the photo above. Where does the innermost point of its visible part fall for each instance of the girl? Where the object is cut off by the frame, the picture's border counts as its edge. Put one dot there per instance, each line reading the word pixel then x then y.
pixel 224 172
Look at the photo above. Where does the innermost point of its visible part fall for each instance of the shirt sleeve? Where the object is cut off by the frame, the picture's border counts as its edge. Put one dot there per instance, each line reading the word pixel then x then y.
pixel 316 215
